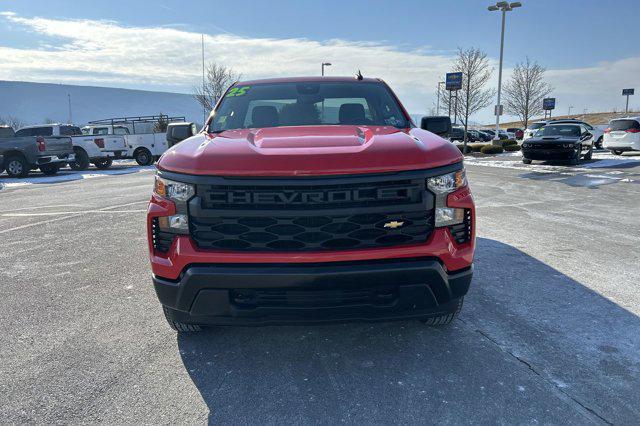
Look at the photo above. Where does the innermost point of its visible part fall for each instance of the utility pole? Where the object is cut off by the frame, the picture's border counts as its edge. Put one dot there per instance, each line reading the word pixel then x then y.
pixel 438 104
pixel 204 110
pixel 504 7
pixel 325 64
pixel 70 116
pixel 570 108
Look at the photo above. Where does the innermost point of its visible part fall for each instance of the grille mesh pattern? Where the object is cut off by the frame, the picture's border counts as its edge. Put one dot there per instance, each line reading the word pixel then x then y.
pixel 334 232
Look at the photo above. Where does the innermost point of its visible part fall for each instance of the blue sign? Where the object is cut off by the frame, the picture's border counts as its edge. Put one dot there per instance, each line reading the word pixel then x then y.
pixel 627 92
pixel 454 81
pixel 548 104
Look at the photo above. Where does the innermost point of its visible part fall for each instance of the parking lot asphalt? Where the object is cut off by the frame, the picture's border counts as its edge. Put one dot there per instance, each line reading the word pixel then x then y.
pixel 550 331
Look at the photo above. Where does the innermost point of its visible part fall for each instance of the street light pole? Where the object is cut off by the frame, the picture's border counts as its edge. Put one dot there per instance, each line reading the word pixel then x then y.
pixel 325 64
pixel 504 7
pixel 438 103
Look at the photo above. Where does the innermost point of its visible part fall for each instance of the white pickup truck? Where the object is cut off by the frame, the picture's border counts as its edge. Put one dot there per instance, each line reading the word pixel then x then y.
pixel 99 150
pixel 145 136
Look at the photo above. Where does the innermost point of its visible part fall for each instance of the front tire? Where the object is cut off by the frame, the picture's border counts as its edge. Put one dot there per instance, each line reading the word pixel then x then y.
pixel 589 154
pixel 143 157
pixel 16 166
pixel 49 169
pixel 81 161
pixel 179 326
pixel 103 163
pixel 526 160
pixel 576 158
pixel 616 152
pixel 445 319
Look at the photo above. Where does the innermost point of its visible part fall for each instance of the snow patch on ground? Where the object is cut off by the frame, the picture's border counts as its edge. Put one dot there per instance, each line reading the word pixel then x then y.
pixel 68 175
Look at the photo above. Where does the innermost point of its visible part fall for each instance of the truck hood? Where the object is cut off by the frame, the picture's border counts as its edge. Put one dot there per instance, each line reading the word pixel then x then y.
pixel 309 151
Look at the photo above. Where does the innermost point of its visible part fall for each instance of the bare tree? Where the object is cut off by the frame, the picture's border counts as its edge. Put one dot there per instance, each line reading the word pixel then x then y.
pixel 218 78
pixel 525 90
pixel 162 124
pixel 476 72
pixel 13 122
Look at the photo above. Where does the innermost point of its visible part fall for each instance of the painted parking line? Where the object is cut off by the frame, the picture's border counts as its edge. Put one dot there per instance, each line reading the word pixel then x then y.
pixel 70 215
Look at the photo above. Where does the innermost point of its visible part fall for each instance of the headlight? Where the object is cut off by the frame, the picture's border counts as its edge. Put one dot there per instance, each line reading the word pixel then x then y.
pixel 179 193
pixel 445 184
pixel 442 186
pixel 174 191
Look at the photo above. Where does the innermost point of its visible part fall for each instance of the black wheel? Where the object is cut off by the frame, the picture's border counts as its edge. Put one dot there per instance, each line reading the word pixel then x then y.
pixel 447 318
pixel 616 152
pixel 82 160
pixel 16 166
pixel 526 160
pixel 179 326
pixel 50 169
pixel 576 157
pixel 143 157
pixel 589 154
pixel 103 163
pixel 599 143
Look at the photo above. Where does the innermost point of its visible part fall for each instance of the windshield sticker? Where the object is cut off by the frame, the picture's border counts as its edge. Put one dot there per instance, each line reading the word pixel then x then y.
pixel 238 91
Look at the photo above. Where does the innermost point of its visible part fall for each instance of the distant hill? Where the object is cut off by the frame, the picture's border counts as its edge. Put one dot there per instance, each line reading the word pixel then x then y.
pixel 593 118
pixel 33 103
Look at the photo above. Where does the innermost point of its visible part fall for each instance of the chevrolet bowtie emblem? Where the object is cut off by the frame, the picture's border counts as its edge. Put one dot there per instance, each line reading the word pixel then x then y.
pixel 393 224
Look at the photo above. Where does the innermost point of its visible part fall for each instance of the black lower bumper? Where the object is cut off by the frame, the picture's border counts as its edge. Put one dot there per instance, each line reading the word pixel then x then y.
pixel 549 154
pixel 307 293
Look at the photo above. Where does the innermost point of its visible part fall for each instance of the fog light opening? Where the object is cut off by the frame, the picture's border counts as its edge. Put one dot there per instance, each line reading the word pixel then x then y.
pixel 446 216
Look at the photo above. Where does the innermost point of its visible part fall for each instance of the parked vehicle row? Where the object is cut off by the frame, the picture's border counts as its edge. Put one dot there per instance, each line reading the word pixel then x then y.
pixel 50 147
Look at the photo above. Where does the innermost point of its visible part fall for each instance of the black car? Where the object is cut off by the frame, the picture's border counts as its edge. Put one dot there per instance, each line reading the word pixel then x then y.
pixel 456 134
pixel 485 136
pixel 568 142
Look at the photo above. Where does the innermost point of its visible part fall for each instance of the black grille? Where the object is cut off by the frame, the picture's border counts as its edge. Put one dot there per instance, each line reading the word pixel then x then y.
pixel 331 232
pixel 275 298
pixel 161 240
pixel 462 232
pixel 311 213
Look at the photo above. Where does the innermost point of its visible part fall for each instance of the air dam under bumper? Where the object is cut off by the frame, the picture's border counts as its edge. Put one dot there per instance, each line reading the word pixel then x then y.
pixel 244 294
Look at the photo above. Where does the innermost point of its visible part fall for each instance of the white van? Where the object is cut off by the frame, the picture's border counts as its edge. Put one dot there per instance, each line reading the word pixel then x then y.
pixel 622 135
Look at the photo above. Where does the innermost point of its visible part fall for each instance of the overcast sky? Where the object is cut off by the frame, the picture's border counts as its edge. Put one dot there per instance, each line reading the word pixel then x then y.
pixel 587 46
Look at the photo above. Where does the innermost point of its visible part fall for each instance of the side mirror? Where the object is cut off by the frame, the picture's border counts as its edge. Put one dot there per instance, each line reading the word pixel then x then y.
pixel 441 126
pixel 586 135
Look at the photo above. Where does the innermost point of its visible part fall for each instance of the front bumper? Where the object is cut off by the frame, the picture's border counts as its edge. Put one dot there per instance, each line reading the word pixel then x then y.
pixel 549 153
pixel 51 159
pixel 244 294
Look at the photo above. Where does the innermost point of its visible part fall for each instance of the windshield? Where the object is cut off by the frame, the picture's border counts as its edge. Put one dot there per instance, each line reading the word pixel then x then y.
pixel 307 104
pixel 569 130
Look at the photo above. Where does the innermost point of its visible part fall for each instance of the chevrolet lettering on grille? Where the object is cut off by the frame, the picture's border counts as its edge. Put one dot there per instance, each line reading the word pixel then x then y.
pixel 405 193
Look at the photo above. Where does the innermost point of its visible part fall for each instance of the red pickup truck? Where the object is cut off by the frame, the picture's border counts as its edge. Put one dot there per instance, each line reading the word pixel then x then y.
pixel 308 200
